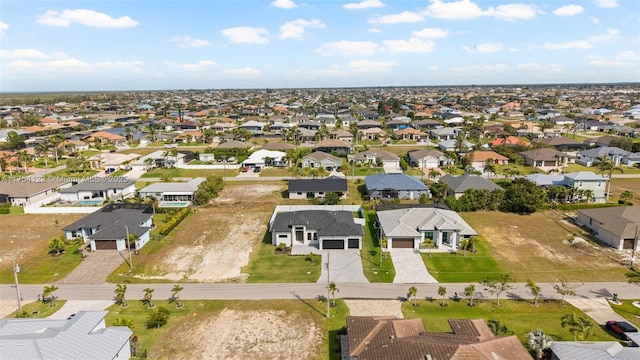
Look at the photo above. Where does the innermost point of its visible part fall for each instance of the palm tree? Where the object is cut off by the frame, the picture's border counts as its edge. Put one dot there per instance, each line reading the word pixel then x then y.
pixel 538 342
pixel 570 321
pixel 442 291
pixel 413 291
pixel 120 292
pixel 55 141
pixel 468 244
pixel 175 294
pixel 48 291
pixel 633 277
pixel 588 194
pixel 606 165
pixel 535 290
pixel 23 157
pixel 5 162
pixel 626 195
pixel 469 291
pixel 429 244
pixel 148 294
pixel 433 173
pixel 332 289
pixel 42 149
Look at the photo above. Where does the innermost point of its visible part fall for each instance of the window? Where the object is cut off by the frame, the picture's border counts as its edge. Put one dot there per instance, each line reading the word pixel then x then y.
pixel 599 184
pixel 428 235
pixel 579 183
pixel 282 236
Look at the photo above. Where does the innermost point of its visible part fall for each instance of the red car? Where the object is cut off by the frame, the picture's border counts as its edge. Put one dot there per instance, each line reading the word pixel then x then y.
pixel 245 168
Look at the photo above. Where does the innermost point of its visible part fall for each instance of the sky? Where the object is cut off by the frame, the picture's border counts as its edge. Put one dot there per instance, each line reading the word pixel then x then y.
pixel 94 45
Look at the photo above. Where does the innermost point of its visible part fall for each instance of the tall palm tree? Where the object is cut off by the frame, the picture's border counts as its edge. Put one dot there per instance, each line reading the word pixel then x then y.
pixel 48 291
pixel 469 291
pixel 570 321
pixel 332 289
pixel 535 291
pixel 42 149
pixel 4 163
pixel 538 342
pixel 607 166
pixel 120 292
pixel 55 140
pixel 442 291
pixel 633 277
pixel 23 158
pixel 413 291
pixel 175 294
pixel 148 294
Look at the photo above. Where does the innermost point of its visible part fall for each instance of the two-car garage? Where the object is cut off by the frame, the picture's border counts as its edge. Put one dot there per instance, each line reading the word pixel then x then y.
pixel 338 244
pixel 402 243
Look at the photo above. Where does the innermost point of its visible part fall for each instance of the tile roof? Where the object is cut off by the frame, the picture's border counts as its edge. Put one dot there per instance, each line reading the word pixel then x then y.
pixel 393 181
pixel 622 221
pixel 543 154
pixel 462 183
pixel 411 221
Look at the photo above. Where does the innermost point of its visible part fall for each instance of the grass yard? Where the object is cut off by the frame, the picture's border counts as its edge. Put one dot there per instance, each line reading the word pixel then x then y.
pixel 39 309
pixel 535 246
pixel 370 253
pixel 620 185
pixel 260 329
pixel 577 167
pixel 27 237
pixel 266 266
pixel 179 173
pixel 518 315
pixel 628 311
pixel 473 267
pixel 72 174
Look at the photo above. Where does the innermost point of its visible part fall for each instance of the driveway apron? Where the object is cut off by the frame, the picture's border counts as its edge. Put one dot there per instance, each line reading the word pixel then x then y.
pixel 410 268
pixel 345 266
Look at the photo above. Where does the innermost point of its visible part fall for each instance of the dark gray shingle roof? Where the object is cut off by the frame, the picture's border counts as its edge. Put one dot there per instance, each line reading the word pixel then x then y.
pixel 462 183
pixel 328 223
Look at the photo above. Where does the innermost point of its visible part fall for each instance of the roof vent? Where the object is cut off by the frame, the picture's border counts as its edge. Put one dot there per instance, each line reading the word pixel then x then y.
pixel 495 356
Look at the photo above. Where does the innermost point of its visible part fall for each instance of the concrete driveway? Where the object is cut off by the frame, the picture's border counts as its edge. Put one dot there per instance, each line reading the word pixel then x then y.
pixel 345 266
pixel 597 309
pixel 410 268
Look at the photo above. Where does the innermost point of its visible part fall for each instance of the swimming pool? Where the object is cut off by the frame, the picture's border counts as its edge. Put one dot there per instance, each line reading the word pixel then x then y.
pixel 89 202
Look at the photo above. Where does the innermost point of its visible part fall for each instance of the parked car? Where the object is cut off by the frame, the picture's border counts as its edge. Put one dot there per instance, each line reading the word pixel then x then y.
pixel 245 168
pixel 257 169
pixel 620 327
pixel 109 170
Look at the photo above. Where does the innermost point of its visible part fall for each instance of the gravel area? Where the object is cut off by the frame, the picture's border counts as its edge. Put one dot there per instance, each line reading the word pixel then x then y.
pixel 410 268
pixel 95 268
pixel 345 266
pixel 73 306
pixel 375 308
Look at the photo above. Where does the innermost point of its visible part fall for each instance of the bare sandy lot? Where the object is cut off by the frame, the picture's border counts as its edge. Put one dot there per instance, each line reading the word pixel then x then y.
pixel 375 308
pixel 215 243
pixel 266 334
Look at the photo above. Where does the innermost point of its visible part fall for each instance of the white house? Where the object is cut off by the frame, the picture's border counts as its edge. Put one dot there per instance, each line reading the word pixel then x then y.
pixel 264 157
pixel 97 188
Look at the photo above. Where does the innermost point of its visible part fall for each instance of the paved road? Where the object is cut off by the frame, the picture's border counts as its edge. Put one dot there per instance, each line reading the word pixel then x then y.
pixel 229 291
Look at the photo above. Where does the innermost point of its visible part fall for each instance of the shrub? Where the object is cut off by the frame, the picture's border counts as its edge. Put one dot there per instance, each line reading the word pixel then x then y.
pixel 5 208
pixel 157 318
pixel 174 221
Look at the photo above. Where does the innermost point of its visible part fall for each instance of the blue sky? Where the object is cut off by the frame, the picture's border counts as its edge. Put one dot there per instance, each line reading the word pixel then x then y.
pixel 195 44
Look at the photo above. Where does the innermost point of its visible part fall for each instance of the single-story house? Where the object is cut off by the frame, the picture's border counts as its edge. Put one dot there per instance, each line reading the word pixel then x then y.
pixel 172 192
pixel 320 159
pixel 478 159
pixel 410 134
pixel 459 184
pixel 387 337
pixel 545 158
pixel 509 141
pixel 560 143
pixel 340 134
pixel 100 188
pixel 409 227
pixel 373 157
pixel 334 146
pixel 615 226
pixel 159 158
pixel 109 227
pixel 263 158
pixel 394 186
pixel 451 145
pixel 445 133
pixel 319 228
pixel 255 127
pixel 631 159
pixel 317 188
pixel 428 159
pixel 82 336
pixel 107 138
pixel 22 193
pixel 590 157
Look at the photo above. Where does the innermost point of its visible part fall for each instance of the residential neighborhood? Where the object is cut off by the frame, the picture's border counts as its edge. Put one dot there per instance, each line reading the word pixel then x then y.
pixel 415 201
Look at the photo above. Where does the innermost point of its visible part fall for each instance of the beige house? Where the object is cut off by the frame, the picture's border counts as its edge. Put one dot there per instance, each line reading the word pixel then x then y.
pixel 618 227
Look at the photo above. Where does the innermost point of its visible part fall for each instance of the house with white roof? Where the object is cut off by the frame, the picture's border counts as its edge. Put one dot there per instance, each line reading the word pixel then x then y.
pixel 265 157
pixel 169 194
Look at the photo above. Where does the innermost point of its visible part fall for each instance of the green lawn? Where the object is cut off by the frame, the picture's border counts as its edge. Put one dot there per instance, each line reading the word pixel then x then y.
pixel 44 268
pixel 577 167
pixel 177 173
pixel 518 315
pixel 366 170
pixel 628 311
pixel 370 254
pixel 70 173
pixel 448 267
pixel 266 266
pixel 39 309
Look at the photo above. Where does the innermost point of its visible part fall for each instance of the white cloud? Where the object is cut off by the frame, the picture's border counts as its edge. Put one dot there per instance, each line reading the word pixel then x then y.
pixel 578 44
pixel 568 10
pixel 372 66
pixel 85 17
pixel 246 35
pixel 3 26
pixel 189 42
pixel 477 69
pixel 243 71
pixel 484 48
pixel 624 59
pixel 411 45
pixel 433 67
pixel 348 48
pixel 594 20
pixel 295 29
pixel 539 67
pixel 463 9
pixel 375 30
pixel 31 54
pixel 431 33
pixel 403 17
pixel 120 64
pixel 51 65
pixel 199 66
pixel 606 3
pixel 365 4
pixel 611 34
pixel 284 4
pixel 511 12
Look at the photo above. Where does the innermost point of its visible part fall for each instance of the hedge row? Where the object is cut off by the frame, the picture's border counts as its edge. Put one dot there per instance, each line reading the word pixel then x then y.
pixel 174 221
pixel 579 206
pixel 5 208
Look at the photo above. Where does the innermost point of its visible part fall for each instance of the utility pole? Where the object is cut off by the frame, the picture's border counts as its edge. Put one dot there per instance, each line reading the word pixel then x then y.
pixel 328 282
pixel 129 248
pixel 16 270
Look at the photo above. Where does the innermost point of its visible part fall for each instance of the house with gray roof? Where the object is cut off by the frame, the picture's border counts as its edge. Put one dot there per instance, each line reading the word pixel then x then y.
pixel 83 336
pixel 109 228
pixel 601 350
pixel 394 186
pixel 631 159
pixel 23 192
pixel 373 157
pixel 318 159
pixel 615 226
pixel 99 188
pixel 255 127
pixel 169 194
pixel 577 184
pixel 428 159
pixel 323 229
pixel 459 184
pixel 317 188
pixel 409 227
pixel 590 157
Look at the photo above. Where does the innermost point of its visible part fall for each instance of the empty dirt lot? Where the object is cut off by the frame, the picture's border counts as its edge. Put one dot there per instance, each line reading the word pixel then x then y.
pixel 214 244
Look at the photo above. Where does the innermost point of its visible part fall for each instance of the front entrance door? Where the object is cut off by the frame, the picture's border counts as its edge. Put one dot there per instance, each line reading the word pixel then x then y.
pixel 445 238
pixel 300 235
